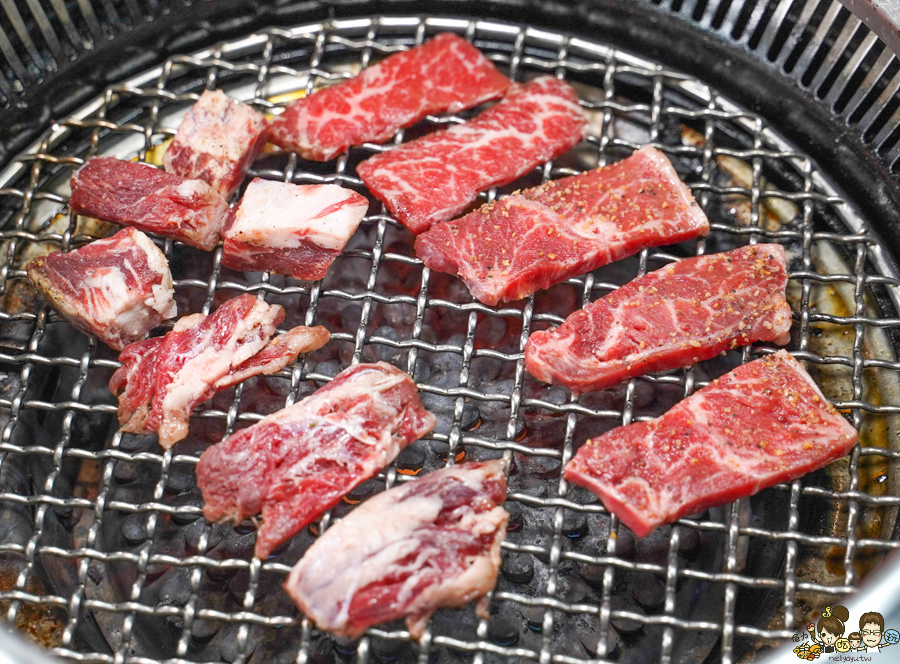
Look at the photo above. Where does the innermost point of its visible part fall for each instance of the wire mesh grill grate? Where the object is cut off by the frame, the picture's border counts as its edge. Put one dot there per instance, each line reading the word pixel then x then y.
pixel 113 543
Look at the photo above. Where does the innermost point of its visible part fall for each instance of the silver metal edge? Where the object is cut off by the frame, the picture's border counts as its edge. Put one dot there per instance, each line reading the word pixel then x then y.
pixel 16 650
pixel 881 16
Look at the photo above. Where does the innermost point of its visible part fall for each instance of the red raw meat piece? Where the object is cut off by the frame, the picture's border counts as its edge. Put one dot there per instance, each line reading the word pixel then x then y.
pixel 216 142
pixel 429 543
pixel 670 318
pixel 296 463
pixel 539 237
pixel 162 379
pixel 291 229
pixel 436 177
pixel 154 201
pixel 117 289
pixel 765 422
pixel 444 74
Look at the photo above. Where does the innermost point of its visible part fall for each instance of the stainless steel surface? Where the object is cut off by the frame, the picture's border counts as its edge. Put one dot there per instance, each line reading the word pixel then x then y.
pixel 875 595
pixel 882 17
pixel 15 650
pixel 631 101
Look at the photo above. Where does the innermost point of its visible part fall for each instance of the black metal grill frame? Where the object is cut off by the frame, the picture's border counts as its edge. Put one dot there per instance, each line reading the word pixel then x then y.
pixel 871 269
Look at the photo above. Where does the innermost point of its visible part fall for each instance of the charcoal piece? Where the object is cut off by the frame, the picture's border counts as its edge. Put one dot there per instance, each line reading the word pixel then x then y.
pixel 534 617
pixel 517 567
pixel 388 650
pixel 180 479
pixel 125 472
pixel 175 589
pixel 234 545
pixel 654 548
pixel 449 363
pixel 386 353
pixel 220 574
pixel 134 528
pixel 202 631
pixel 399 316
pixel 362 491
pixel 470 417
pixel 320 651
pixel 411 459
pixel 530 487
pixel 183 501
pixel 193 532
pixel 572 590
pixel 689 540
pixel 96 571
pixel 491 331
pixel 484 370
pixel 581 495
pixel 649 592
pixel 155 571
pixel 346 647
pixel 497 410
pixel 327 368
pixel 455 623
pixel 442 449
pixel 245 527
pixel 503 629
pixel 625 543
pixel 591 573
pixel 285 656
pixel 516 518
pixel 626 626
pixel 474 453
pixel 135 443
pixel 228 646
pixel 542 536
pixel 644 394
pixel 594 545
pixel 67 516
pixel 574 525
pixel 422 373
pixel 591 640
pixel 571 648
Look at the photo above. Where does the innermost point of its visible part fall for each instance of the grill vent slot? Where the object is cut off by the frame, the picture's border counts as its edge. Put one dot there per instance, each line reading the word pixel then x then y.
pixel 802 36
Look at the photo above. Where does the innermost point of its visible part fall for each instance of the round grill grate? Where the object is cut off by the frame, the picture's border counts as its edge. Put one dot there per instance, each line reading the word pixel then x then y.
pixel 105 551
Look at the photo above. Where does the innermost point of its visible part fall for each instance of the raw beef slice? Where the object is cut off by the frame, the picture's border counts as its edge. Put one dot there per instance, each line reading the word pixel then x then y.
pixel 294 464
pixel 161 380
pixel 426 544
pixel 765 422
pixel 291 229
pixel 216 142
pixel 542 236
pixel 444 74
pixel 151 200
pixel 117 289
pixel 436 177
pixel 670 318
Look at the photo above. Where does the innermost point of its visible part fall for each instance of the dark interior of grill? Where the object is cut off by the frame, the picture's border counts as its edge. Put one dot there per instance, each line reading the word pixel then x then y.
pixel 779 115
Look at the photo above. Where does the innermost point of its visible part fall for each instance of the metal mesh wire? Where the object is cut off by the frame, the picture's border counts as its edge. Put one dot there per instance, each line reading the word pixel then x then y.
pixel 618 89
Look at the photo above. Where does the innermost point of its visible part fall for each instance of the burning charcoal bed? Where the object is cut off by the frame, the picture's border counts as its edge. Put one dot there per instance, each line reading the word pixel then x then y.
pixel 105 555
